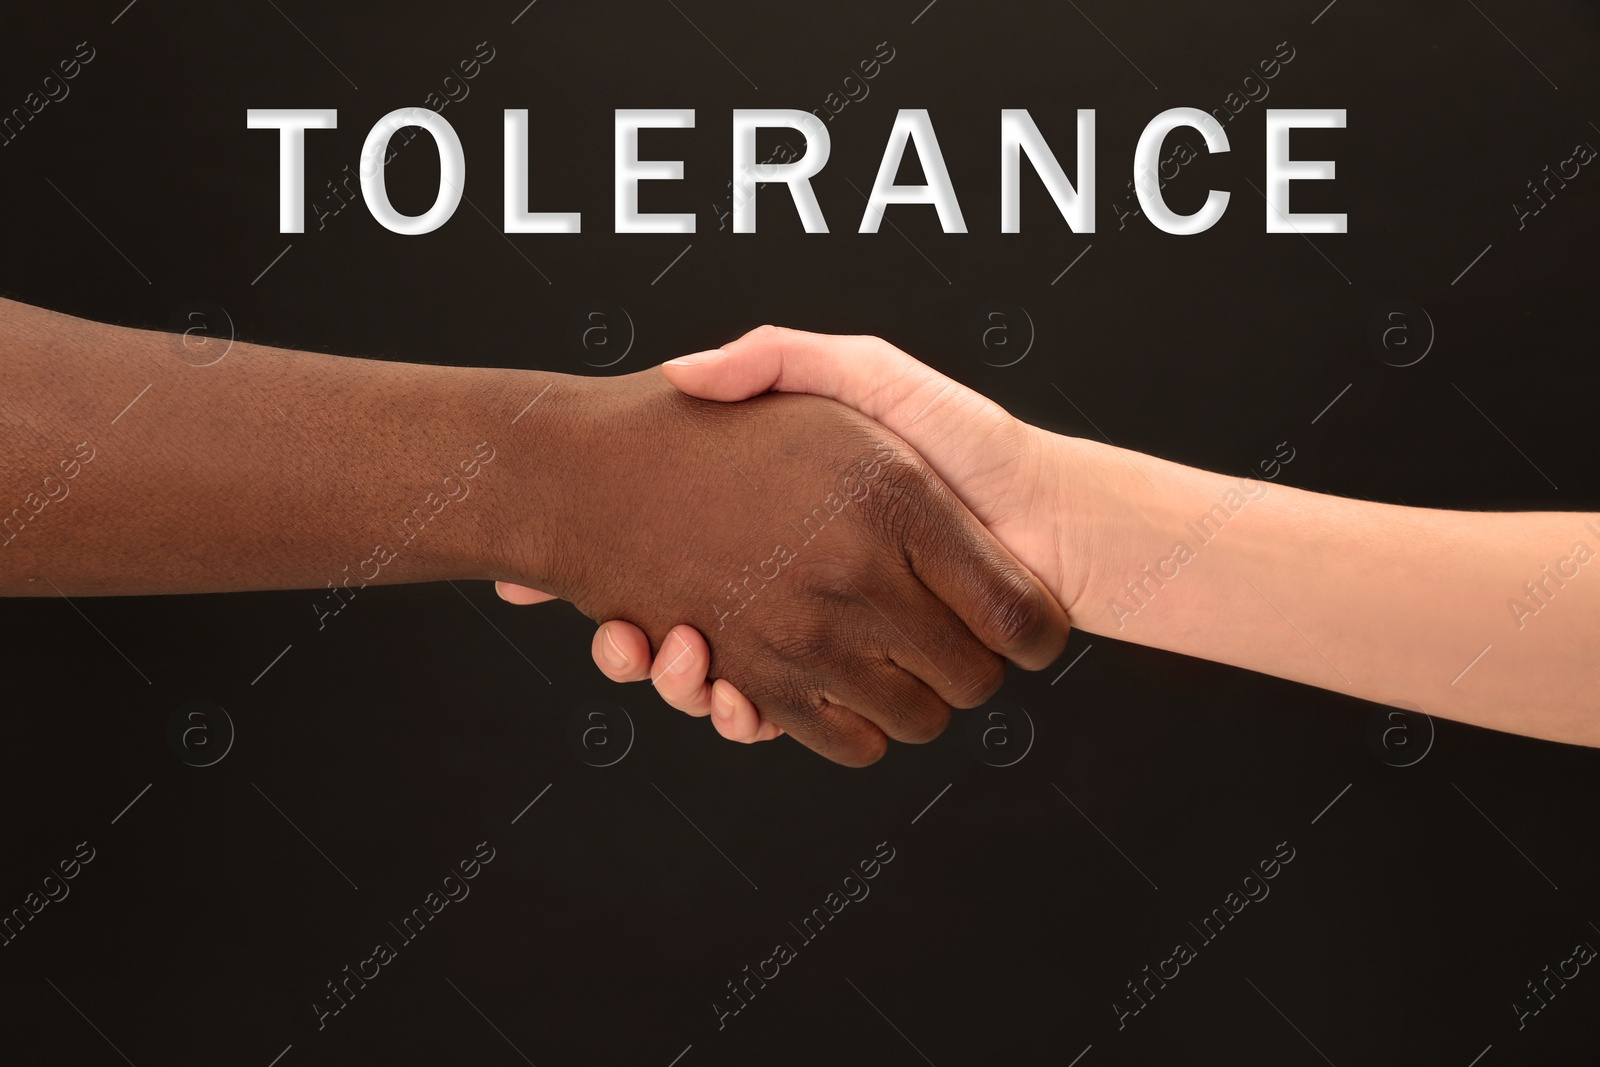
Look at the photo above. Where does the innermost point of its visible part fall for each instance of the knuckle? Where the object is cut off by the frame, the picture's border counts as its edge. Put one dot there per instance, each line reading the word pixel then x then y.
pixel 769 335
pixel 903 500
pixel 802 646
pixel 835 731
pixel 828 575
pixel 1017 616
pixel 906 709
pixel 793 696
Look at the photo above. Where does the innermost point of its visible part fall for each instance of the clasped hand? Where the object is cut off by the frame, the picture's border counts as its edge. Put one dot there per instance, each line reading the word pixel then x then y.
pixel 842 586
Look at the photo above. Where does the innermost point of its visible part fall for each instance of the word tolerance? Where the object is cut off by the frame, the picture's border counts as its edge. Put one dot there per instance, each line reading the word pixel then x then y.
pixel 1019 138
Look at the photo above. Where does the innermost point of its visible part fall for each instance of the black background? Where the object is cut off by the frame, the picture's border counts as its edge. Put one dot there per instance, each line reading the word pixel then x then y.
pixel 1020 903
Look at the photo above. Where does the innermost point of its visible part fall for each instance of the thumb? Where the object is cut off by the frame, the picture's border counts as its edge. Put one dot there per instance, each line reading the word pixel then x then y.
pixel 963 435
pixel 865 373
pixel 521 594
pixel 722 374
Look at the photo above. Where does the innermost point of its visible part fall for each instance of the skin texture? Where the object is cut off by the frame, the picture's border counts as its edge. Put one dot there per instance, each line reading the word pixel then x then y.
pixel 1407 606
pixel 816 548
pixel 133 470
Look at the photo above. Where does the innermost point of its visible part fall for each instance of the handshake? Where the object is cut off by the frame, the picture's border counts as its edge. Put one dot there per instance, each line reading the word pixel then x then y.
pixel 795 533
pixel 846 565
pixel 913 535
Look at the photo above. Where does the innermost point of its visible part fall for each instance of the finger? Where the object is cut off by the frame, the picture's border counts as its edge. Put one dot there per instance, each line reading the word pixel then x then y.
pixel 775 359
pixel 828 729
pixel 924 642
pixel 726 695
pixel 521 594
pixel 621 651
pixel 899 701
pixel 1000 600
pixel 843 736
pixel 732 713
pixel 679 672
pixel 968 434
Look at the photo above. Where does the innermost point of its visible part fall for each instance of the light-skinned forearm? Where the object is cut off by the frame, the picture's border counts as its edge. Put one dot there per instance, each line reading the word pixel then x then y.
pixel 1399 605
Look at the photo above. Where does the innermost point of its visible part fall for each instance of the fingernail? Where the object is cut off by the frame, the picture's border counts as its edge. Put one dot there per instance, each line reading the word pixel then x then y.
pixel 723 706
pixel 696 358
pixel 613 653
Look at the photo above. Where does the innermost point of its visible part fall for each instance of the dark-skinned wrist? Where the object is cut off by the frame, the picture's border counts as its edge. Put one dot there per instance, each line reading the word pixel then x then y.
pixel 538 521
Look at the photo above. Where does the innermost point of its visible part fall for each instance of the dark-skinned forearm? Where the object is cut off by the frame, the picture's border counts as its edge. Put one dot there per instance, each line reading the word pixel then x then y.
pixel 128 470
